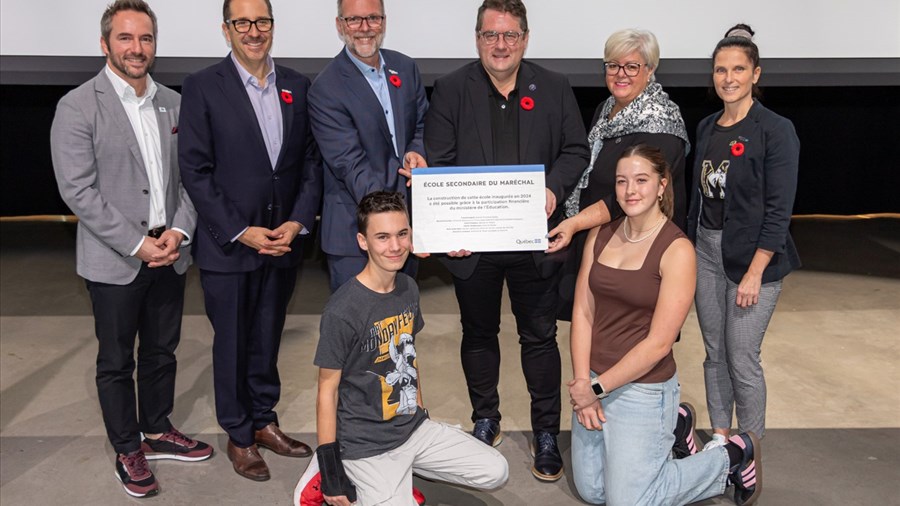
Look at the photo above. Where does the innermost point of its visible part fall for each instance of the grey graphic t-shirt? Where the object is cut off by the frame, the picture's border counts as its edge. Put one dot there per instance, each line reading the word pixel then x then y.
pixel 371 338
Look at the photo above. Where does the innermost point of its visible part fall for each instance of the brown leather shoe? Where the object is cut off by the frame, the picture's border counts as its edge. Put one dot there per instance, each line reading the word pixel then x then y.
pixel 248 462
pixel 272 438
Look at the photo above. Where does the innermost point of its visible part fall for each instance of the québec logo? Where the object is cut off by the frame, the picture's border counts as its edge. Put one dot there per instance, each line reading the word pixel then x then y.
pixel 528 241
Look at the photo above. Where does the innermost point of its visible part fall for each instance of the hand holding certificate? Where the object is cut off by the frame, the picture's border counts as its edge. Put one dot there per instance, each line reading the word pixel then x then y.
pixel 481 209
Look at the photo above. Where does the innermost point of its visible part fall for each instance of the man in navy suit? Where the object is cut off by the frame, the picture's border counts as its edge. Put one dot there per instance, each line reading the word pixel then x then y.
pixel 252 168
pixel 502 110
pixel 368 111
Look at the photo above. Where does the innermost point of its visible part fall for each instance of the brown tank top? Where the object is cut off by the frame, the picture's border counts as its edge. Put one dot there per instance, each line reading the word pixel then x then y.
pixel 624 301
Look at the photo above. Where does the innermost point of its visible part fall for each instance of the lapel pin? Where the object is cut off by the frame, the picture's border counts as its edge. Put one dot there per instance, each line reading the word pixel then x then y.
pixel 287 96
pixel 532 87
pixel 174 129
pixel 395 80
pixel 527 103
pixel 162 109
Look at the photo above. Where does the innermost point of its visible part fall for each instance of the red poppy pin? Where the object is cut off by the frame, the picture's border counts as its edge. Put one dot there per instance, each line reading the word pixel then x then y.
pixel 527 103
pixel 395 80
pixel 287 96
pixel 737 149
pixel 174 129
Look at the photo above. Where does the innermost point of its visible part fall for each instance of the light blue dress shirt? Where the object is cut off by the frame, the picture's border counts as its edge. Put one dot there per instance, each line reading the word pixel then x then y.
pixel 266 105
pixel 379 83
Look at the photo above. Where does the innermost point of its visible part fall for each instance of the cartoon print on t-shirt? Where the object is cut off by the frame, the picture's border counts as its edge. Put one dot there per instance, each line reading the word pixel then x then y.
pixel 395 363
pixel 712 180
pixel 404 375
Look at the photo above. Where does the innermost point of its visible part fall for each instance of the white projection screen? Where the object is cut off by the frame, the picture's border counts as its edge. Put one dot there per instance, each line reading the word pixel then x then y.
pixel 566 29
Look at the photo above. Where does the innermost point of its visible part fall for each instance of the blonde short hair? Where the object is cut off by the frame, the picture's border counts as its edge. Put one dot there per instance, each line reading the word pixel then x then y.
pixel 625 41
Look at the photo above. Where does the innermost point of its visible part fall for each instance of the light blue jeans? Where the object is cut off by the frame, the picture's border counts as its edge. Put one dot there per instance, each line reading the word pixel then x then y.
pixel 629 462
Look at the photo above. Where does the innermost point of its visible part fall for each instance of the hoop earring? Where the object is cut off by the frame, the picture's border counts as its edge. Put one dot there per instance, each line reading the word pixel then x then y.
pixel 659 198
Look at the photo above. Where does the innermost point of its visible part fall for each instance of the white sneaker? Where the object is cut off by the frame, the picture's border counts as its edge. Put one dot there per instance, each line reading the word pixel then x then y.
pixel 716 441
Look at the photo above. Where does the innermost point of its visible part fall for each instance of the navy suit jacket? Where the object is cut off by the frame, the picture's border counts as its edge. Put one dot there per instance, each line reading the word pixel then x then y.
pixel 458 133
pixel 226 170
pixel 352 132
pixel 759 196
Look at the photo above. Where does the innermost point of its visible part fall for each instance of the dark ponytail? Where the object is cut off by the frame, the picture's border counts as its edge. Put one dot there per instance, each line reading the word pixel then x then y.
pixel 741 36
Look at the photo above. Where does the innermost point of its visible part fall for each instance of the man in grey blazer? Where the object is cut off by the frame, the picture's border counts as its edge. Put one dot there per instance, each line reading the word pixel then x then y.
pixel 114 148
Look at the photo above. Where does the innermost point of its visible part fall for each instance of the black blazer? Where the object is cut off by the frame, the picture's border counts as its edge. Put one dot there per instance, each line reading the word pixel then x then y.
pixel 226 171
pixel 759 198
pixel 458 133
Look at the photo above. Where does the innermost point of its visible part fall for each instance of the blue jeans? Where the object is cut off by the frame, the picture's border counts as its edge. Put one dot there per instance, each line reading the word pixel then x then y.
pixel 629 462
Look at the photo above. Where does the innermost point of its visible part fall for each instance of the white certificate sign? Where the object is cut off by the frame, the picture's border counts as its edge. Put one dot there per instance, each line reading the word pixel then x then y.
pixel 480 209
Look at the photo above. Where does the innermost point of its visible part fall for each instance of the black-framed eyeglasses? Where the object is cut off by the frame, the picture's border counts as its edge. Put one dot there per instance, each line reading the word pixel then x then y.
pixel 491 37
pixel 355 22
pixel 243 25
pixel 631 69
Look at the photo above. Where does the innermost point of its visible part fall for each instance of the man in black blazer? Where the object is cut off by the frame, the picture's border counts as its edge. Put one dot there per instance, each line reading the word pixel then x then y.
pixel 502 110
pixel 252 168
pixel 368 113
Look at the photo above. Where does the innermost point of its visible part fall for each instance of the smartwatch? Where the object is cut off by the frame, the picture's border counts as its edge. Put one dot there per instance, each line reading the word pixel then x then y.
pixel 598 388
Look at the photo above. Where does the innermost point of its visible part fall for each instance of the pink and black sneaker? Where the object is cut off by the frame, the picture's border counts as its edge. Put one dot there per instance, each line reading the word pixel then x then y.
pixel 176 446
pixel 685 438
pixel 134 473
pixel 746 473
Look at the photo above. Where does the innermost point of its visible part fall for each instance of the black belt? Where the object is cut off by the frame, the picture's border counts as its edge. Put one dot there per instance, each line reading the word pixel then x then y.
pixel 156 232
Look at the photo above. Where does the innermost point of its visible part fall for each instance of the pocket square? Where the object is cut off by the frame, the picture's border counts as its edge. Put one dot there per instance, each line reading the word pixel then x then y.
pixel 174 130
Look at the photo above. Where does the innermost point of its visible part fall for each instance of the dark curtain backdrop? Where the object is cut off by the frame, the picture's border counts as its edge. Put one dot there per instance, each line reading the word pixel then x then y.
pixel 847 162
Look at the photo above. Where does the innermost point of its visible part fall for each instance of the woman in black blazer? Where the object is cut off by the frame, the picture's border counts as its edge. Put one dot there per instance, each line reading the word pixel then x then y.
pixel 740 230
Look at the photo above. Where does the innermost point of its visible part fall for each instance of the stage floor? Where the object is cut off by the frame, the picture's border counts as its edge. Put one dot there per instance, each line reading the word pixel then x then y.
pixel 831 357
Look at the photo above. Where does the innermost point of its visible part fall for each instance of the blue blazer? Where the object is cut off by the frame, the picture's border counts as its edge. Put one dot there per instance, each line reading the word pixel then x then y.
pixel 226 170
pixel 458 133
pixel 351 130
pixel 759 198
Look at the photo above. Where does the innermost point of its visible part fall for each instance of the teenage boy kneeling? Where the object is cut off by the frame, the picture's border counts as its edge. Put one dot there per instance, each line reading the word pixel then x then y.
pixel 372 428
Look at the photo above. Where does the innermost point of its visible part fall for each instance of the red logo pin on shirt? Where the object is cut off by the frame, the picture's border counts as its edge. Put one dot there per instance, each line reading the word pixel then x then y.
pixel 287 96
pixel 395 80
pixel 737 149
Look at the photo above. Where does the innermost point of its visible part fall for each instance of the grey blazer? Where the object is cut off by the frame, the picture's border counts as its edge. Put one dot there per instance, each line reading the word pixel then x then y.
pixel 101 177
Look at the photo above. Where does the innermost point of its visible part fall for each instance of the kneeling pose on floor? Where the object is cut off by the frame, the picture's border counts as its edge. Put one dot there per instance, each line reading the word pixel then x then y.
pixel 372 428
pixel 632 296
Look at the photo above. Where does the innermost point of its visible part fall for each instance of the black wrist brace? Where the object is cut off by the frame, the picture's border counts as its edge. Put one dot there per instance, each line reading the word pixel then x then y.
pixel 334 480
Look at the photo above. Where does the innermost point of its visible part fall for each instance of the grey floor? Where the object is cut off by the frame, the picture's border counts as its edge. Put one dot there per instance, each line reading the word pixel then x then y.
pixel 831 357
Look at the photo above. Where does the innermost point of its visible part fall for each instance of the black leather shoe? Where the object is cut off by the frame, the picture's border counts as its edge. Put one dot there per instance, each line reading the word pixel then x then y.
pixel 488 431
pixel 548 464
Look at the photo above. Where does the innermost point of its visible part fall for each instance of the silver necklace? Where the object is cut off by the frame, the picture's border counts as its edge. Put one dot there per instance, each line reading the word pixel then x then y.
pixel 651 232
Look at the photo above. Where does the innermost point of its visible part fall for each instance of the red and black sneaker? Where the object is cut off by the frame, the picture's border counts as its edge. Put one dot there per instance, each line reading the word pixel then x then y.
pixel 134 473
pixel 176 446
pixel 746 474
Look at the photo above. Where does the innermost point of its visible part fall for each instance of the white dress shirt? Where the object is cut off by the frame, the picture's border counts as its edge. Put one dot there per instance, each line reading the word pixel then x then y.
pixel 142 117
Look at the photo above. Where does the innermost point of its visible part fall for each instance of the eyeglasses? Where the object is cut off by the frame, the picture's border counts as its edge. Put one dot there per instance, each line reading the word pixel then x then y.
pixel 630 69
pixel 491 37
pixel 355 22
pixel 243 25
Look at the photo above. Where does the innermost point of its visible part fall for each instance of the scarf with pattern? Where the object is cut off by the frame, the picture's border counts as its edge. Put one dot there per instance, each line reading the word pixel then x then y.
pixel 651 112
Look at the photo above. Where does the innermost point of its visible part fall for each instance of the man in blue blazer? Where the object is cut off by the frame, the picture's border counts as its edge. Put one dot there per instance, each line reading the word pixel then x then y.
pixel 251 166
pixel 502 110
pixel 368 111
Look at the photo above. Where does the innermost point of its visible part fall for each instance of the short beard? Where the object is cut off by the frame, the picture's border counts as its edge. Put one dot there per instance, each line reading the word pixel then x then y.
pixel 121 67
pixel 349 42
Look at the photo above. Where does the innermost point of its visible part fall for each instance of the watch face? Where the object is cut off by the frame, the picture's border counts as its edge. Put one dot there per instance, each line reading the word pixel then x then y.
pixel 598 390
